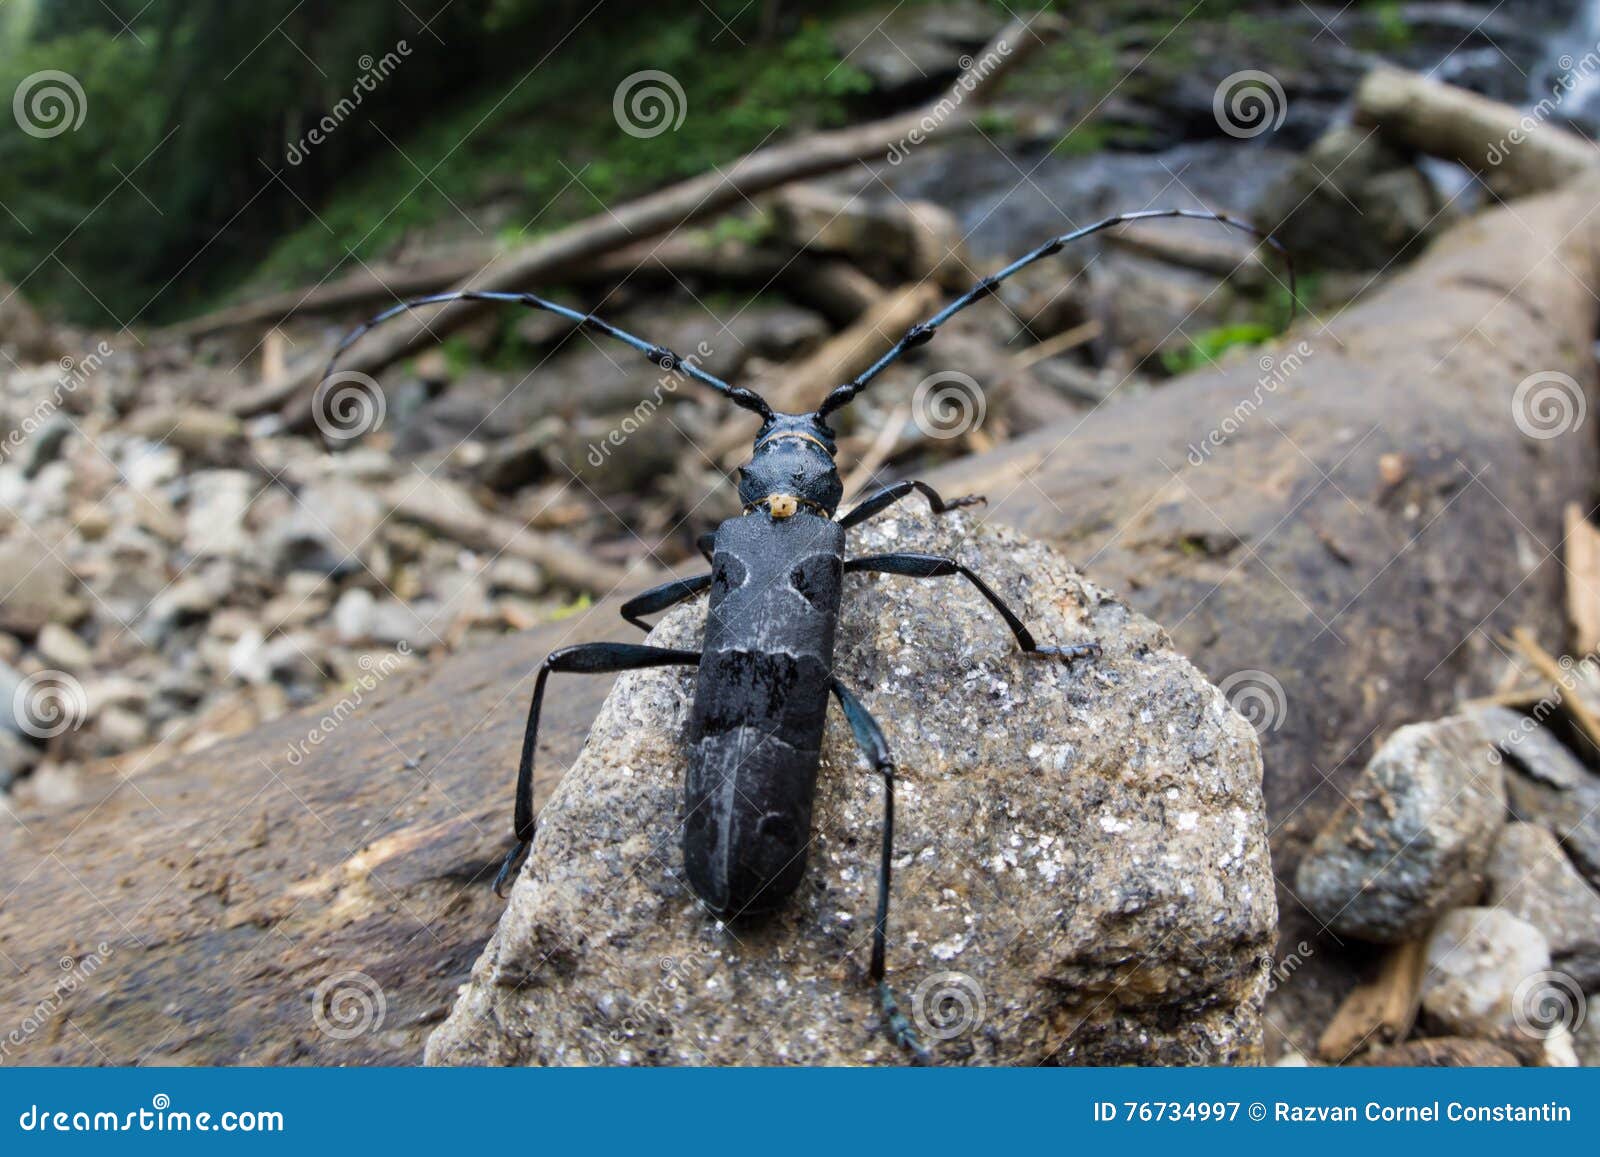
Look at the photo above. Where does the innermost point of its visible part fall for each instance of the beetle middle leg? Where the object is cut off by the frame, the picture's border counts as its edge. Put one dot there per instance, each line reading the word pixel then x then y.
pixel 668 594
pixel 587 659
pixel 893 493
pixel 870 737
pixel 936 566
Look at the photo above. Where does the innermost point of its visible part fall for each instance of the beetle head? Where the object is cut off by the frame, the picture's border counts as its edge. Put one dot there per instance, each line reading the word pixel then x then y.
pixel 791 468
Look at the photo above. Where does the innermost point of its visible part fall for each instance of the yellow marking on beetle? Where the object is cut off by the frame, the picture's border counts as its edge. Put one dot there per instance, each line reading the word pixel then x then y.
pixel 785 506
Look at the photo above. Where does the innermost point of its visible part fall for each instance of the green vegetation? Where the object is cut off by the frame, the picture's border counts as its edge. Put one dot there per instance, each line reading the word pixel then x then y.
pixel 179 187
pixel 1205 348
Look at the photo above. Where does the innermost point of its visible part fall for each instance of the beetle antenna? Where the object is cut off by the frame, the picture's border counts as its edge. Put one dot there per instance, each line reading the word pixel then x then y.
pixel 661 356
pixel 923 331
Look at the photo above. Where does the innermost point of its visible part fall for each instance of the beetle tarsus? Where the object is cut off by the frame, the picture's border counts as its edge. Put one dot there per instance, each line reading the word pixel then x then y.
pixel 899 1027
pixel 508 867
pixel 1069 652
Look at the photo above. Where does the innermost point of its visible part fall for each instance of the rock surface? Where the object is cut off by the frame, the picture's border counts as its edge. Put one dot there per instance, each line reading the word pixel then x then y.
pixel 1572 813
pixel 1414 840
pixel 1531 877
pixel 1082 870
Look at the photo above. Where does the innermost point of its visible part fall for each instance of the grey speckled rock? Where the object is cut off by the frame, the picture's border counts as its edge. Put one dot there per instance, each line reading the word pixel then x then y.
pixel 1531 877
pixel 1571 813
pixel 1414 839
pixel 1081 856
pixel 1488 977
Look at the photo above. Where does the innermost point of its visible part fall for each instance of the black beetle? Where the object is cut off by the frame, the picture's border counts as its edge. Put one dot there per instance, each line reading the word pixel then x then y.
pixel 765 669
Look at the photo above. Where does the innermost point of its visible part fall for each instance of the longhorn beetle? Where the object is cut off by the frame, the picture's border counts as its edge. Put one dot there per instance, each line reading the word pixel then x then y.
pixel 765 668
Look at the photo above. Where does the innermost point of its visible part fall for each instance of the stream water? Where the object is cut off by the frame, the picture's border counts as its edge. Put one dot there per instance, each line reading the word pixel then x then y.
pixel 1518 51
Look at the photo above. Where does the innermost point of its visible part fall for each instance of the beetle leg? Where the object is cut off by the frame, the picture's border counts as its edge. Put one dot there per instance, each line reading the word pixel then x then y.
pixel 706 544
pixel 870 736
pixel 668 594
pixel 891 494
pixel 934 566
pixel 588 659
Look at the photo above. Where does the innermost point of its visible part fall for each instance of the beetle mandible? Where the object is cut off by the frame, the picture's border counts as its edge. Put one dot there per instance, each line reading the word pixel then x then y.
pixel 765 668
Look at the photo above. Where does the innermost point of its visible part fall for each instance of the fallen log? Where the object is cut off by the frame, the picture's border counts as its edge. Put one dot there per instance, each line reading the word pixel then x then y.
pixel 1517 152
pixel 1338 556
pixel 553 257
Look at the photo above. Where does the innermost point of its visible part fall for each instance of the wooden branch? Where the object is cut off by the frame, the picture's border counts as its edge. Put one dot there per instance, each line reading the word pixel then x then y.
pixel 1380 1011
pixel 556 256
pixel 1564 680
pixel 1581 547
pixel 1516 152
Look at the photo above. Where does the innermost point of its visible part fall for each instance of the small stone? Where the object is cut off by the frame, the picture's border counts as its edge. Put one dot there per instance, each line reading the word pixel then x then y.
pixel 353 616
pixel 37 585
pixel 331 529
pixel 1531 877
pixel 121 729
pixel 1415 839
pixel 517 576
pixel 59 647
pixel 218 503
pixel 1572 814
pixel 1477 962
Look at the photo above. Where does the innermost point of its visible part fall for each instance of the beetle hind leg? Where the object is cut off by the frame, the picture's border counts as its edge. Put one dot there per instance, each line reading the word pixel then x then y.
pixel 584 658
pixel 870 737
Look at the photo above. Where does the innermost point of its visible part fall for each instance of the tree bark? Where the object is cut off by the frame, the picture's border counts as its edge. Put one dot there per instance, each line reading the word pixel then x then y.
pixel 1356 539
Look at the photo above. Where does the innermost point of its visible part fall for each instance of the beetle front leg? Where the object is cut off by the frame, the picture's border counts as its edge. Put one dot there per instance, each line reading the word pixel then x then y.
pixel 935 566
pixel 870 737
pixel 893 493
pixel 588 659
